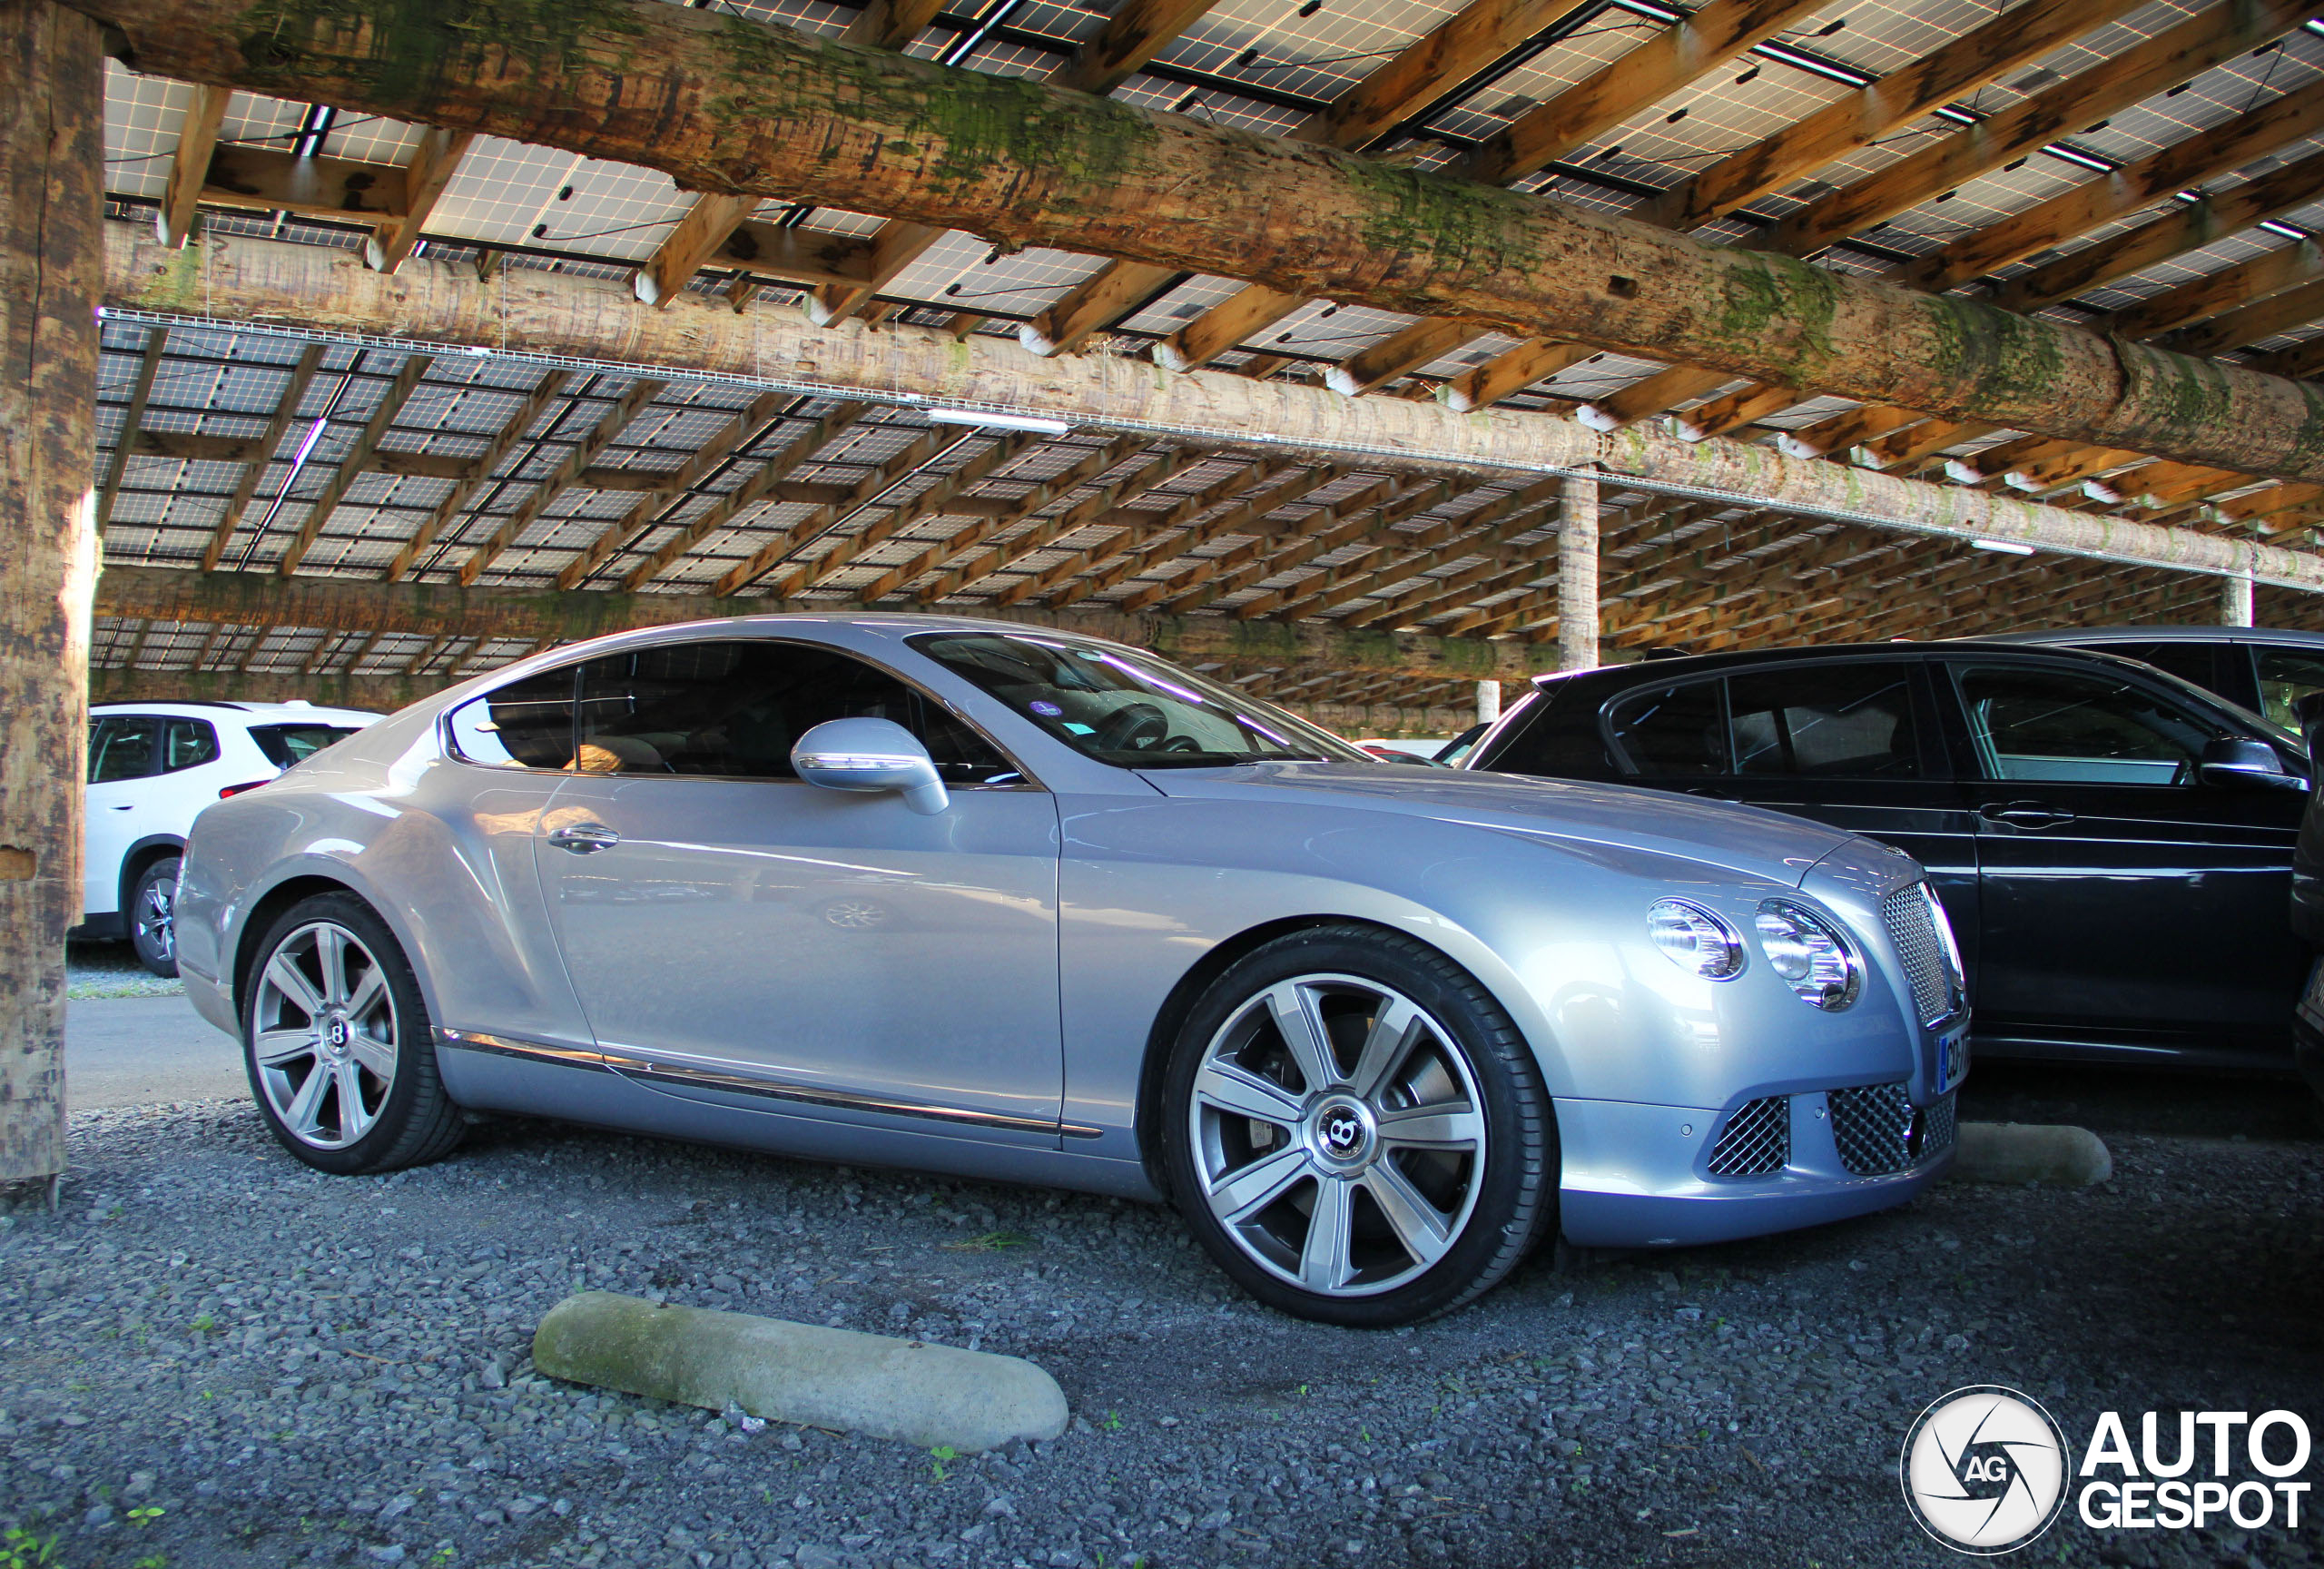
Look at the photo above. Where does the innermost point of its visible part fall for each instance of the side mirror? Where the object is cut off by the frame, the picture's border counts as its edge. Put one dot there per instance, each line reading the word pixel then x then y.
pixel 2233 761
pixel 870 755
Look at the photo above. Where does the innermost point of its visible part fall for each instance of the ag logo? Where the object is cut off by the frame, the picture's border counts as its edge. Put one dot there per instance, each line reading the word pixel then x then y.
pixel 1984 1470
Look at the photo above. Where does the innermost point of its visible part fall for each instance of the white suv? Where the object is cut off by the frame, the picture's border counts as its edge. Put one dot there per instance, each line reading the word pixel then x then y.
pixel 151 767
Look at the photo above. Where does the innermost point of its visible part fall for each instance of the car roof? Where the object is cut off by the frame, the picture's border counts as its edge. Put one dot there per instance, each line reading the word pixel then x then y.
pixel 252 713
pixel 2076 635
pixel 1686 664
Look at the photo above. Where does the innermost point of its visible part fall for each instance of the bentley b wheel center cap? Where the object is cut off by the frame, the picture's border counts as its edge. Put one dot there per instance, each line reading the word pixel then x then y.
pixel 1341 1133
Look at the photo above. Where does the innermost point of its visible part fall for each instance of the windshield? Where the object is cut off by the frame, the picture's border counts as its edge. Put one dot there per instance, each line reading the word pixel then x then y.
pixel 1128 709
pixel 287 744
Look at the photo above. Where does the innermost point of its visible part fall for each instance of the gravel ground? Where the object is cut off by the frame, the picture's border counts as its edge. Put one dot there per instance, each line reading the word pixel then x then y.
pixel 212 1356
pixel 94 970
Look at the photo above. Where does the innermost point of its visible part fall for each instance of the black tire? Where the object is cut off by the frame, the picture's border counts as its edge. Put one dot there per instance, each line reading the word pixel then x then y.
pixel 152 917
pixel 416 1123
pixel 1511 1192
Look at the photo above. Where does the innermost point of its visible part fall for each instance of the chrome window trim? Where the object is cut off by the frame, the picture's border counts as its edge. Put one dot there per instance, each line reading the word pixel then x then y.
pixel 618 1062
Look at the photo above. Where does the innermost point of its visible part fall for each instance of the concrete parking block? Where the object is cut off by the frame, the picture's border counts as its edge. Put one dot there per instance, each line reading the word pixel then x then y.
pixel 2016 1152
pixel 924 1394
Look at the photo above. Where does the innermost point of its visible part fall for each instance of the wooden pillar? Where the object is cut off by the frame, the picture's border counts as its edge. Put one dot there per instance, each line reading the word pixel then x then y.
pixel 2235 600
pixel 52 107
pixel 1578 572
pixel 1488 702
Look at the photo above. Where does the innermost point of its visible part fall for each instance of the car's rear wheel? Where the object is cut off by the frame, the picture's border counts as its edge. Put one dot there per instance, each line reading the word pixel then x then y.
pixel 337 1043
pixel 152 916
pixel 1357 1131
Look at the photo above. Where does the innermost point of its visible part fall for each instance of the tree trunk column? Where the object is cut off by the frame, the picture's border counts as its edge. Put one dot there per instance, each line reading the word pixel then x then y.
pixel 52 107
pixel 1578 572
pixel 2235 600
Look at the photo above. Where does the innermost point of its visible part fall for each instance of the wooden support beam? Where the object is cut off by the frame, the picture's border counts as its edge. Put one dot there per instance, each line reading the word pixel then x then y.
pixel 592 445
pixel 1146 543
pixel 425 177
pixel 197 139
pixel 586 319
pixel 262 457
pixel 1264 554
pixel 800 113
pixel 52 182
pixel 1138 528
pixel 1578 572
pixel 2213 294
pixel 545 392
pixel 149 365
pixel 444 612
pixel 1481 531
pixel 1464 43
pixel 356 460
pixel 1039 498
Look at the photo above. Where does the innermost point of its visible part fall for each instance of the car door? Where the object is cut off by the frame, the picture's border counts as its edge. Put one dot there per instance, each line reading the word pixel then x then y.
pixel 126 794
pixel 732 930
pixel 1851 743
pixel 2125 902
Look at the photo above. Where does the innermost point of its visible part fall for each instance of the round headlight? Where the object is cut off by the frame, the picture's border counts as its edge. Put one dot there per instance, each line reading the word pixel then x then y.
pixel 1809 953
pixel 1695 939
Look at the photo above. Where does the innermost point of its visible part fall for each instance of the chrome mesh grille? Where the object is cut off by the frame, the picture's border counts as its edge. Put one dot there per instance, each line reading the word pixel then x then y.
pixel 1911 916
pixel 1756 1140
pixel 1877 1130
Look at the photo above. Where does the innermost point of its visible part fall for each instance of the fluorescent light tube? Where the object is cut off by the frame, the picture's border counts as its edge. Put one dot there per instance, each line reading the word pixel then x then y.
pixel 997 421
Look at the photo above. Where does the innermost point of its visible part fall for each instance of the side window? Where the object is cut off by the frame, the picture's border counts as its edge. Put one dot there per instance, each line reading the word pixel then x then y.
pixel 2189 661
pixel 527 723
pixel 734 708
pixel 125 746
pixel 1672 730
pixel 2286 675
pixel 2070 729
pixel 1839 721
pixel 188 744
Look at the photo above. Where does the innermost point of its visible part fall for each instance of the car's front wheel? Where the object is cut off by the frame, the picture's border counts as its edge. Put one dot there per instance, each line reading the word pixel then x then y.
pixel 1357 1132
pixel 337 1043
pixel 152 917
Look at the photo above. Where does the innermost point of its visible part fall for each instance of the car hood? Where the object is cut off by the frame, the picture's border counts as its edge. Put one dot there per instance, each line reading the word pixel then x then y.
pixel 1744 839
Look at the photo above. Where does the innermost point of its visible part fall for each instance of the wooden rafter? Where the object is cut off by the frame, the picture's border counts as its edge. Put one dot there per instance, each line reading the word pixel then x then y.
pixel 425 177
pixel 197 138
pixel 670 490
pixel 759 486
pixel 936 501
pixel 545 392
pixel 356 461
pixel 149 365
pixel 286 410
pixel 564 476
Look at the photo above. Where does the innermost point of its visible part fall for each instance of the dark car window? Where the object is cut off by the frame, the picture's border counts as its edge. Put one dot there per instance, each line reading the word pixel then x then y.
pixel 1839 721
pixel 2188 660
pixel 1672 730
pixel 124 747
pixel 2286 675
pixel 2065 726
pixel 287 744
pixel 734 708
pixel 527 723
pixel 188 744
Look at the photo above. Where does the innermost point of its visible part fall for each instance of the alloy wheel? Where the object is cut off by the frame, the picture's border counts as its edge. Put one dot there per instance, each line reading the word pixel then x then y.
pixel 323 1035
pixel 156 921
pixel 1338 1134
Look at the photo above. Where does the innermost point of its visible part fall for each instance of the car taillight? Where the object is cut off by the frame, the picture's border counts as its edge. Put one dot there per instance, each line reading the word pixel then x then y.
pixel 238 789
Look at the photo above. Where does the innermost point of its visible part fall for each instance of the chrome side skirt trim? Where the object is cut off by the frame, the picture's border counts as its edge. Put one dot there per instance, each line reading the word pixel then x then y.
pixel 744 1084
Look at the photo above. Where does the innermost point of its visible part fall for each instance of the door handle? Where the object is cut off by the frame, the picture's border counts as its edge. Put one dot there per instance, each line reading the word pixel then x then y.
pixel 2026 814
pixel 584 838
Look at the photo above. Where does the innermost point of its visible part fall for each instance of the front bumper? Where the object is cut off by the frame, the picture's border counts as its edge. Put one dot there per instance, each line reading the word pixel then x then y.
pixel 1638 1176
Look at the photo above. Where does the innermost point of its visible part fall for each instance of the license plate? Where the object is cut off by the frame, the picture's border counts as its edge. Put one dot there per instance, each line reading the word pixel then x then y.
pixel 1953 1060
pixel 2311 1002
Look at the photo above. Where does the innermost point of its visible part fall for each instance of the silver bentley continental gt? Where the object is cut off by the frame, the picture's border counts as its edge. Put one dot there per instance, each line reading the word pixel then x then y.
pixel 988 900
